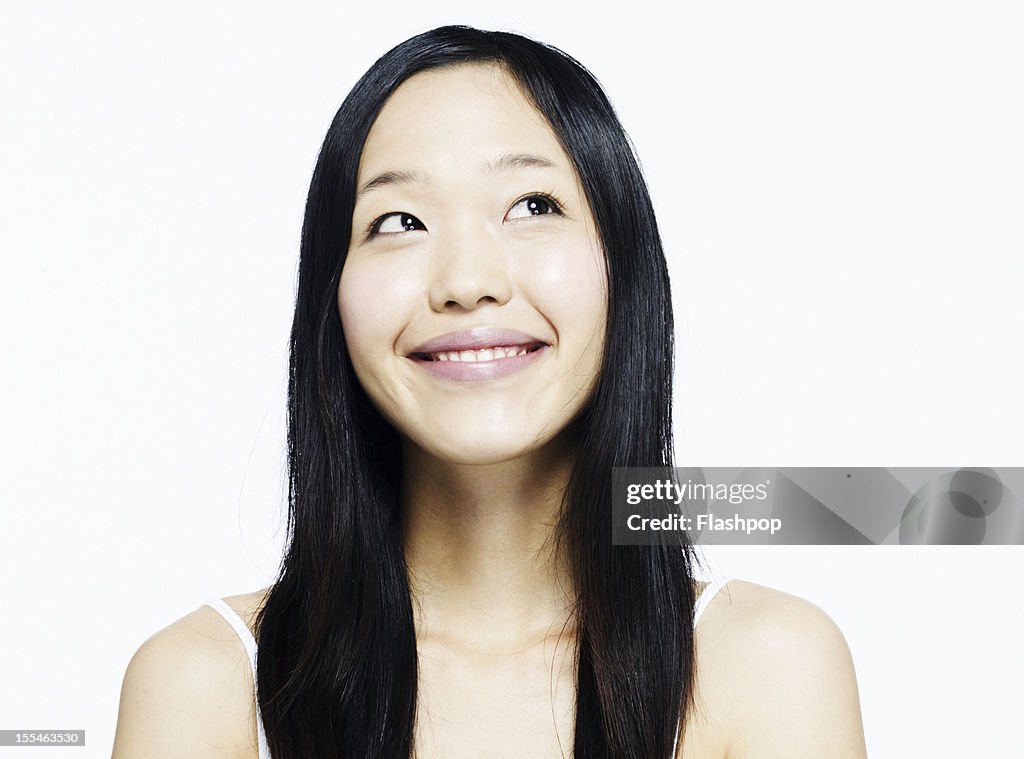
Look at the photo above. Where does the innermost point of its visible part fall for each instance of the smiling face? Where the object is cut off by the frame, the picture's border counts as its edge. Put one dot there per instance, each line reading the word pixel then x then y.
pixel 474 294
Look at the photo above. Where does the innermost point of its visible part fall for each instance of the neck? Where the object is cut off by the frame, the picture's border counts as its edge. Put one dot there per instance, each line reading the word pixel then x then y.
pixel 480 546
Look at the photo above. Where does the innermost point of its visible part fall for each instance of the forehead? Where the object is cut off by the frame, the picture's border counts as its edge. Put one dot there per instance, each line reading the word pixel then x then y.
pixel 456 116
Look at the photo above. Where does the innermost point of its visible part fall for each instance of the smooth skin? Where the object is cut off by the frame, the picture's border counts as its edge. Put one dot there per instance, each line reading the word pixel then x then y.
pixel 774 680
pixel 457 234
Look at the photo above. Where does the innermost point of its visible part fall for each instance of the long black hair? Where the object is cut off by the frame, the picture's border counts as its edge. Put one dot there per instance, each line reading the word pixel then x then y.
pixel 337 662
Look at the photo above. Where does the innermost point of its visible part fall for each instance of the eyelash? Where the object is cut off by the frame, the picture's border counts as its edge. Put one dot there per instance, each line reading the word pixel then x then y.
pixel 557 208
pixel 556 204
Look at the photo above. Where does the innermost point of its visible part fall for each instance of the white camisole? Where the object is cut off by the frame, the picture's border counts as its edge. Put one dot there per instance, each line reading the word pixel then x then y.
pixel 245 635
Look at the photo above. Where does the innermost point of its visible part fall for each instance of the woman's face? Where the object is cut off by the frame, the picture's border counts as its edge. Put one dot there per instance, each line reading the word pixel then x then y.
pixel 474 295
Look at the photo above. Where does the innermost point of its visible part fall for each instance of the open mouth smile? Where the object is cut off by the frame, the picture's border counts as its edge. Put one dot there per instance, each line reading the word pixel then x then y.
pixel 478 355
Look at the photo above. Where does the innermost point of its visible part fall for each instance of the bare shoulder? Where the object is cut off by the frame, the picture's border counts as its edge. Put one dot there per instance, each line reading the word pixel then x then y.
pixel 248 605
pixel 188 690
pixel 776 673
pixel 742 608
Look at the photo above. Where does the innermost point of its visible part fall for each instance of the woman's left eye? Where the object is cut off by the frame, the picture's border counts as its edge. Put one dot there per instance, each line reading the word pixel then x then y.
pixel 534 205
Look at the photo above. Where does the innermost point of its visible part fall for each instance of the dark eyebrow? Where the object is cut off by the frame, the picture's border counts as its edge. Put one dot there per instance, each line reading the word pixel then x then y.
pixel 511 161
pixel 506 162
pixel 388 178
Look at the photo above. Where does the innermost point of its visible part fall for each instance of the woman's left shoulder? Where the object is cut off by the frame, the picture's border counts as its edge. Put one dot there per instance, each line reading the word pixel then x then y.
pixel 788 673
pixel 756 615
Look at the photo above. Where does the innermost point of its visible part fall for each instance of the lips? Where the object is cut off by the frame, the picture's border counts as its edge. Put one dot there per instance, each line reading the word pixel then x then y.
pixel 476 344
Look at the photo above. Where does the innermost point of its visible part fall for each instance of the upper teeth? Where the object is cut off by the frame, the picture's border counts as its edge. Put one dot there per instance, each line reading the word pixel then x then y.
pixel 482 354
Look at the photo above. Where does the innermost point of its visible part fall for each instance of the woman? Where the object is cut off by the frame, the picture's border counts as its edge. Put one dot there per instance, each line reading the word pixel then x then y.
pixel 483 329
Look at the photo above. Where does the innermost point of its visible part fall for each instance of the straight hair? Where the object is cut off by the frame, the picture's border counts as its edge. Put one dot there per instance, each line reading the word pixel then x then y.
pixel 337 662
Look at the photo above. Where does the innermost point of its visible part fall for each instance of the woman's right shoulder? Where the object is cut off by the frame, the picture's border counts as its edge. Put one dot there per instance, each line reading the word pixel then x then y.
pixel 188 689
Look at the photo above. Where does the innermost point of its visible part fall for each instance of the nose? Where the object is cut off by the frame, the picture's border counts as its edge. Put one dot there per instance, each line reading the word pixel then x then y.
pixel 470 271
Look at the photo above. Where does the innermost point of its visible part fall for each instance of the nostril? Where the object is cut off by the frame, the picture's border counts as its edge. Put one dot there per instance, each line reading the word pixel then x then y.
pixel 469 304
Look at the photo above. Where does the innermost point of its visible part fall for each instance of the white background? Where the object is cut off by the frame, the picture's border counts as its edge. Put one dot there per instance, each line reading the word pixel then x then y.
pixel 839 188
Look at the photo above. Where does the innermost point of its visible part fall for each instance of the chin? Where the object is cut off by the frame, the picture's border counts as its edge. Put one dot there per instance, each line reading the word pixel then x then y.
pixel 482 447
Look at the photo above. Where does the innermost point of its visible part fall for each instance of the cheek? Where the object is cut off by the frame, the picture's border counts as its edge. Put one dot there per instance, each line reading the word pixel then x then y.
pixel 370 307
pixel 569 285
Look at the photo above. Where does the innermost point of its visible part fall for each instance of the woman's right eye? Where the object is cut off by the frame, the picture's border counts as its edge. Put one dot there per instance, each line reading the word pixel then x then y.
pixel 395 223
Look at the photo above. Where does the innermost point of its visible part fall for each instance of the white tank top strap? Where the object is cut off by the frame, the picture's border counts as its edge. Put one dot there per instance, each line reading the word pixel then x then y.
pixel 245 635
pixel 707 595
pixel 241 629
